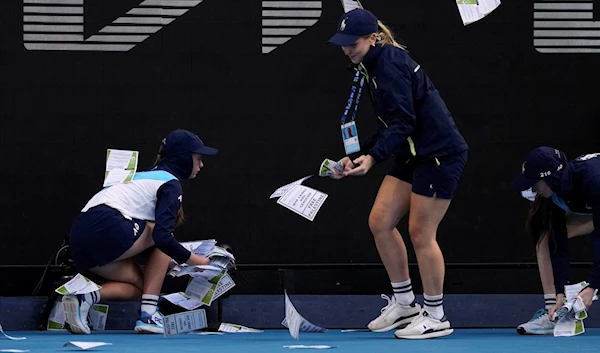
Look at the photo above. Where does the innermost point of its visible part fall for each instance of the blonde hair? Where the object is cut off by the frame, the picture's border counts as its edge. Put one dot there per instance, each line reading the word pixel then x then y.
pixel 386 36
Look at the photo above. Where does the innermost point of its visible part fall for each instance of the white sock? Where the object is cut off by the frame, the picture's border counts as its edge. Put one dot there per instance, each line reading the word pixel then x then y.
pixel 149 303
pixel 403 292
pixel 549 300
pixel 433 304
pixel 92 297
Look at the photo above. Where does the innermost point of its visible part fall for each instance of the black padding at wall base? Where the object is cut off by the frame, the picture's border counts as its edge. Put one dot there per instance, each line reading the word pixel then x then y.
pixel 329 311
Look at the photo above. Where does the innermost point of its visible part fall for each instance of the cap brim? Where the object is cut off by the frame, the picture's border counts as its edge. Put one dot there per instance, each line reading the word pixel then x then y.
pixel 342 39
pixel 206 151
pixel 523 183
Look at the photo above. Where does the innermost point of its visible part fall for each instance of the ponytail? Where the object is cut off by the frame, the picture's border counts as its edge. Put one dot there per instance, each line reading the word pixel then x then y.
pixel 386 36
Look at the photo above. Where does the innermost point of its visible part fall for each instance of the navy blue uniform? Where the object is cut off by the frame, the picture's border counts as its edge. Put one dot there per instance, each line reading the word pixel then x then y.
pixel 576 189
pixel 414 124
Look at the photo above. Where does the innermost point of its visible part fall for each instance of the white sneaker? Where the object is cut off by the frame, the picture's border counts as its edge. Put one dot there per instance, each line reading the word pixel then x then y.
pixel 150 323
pixel 77 308
pixel 394 315
pixel 539 324
pixel 425 326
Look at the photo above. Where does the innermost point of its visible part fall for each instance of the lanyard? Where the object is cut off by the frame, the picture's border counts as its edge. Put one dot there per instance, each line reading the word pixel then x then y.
pixel 351 98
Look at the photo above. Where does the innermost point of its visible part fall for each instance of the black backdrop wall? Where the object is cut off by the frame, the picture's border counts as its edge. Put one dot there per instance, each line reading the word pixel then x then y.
pixel 274 117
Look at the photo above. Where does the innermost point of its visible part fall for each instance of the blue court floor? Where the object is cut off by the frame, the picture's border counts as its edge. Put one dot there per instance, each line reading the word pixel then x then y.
pixel 462 340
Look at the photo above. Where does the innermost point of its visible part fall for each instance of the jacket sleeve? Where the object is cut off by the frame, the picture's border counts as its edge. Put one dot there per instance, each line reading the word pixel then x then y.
pixel 559 250
pixel 168 202
pixel 594 193
pixel 395 90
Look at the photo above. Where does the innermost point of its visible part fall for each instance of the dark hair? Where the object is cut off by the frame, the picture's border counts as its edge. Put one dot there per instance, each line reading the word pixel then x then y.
pixel 539 219
pixel 180 214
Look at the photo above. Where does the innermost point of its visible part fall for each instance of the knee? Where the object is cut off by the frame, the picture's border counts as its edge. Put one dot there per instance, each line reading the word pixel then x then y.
pixel 420 236
pixel 379 224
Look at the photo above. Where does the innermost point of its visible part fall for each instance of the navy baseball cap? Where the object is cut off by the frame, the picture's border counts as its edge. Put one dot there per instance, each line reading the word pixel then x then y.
pixel 541 163
pixel 353 25
pixel 181 141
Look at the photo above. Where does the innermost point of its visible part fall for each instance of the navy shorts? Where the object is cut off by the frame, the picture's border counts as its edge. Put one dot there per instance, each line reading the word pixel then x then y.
pixel 428 177
pixel 100 235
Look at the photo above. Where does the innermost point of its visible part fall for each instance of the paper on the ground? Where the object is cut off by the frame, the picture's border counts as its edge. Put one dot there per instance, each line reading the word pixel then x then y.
pixel 234 328
pixel 185 322
pixel 206 271
pixel 282 190
pixel 78 285
pixel 120 166
pixel 207 333
pixel 303 200
pixel 350 5
pixel 86 345
pixel 356 330
pixel 11 337
pixel 474 10
pixel 301 346
pixel 183 300
pixel 295 322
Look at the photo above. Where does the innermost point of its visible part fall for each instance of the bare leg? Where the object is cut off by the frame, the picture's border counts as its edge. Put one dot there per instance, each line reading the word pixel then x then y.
pixel 426 213
pixel 391 204
pixel 155 271
pixel 125 280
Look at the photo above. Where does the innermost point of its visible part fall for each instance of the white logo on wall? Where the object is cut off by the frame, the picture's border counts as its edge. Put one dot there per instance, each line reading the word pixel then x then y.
pixel 565 27
pixel 58 24
pixel 283 20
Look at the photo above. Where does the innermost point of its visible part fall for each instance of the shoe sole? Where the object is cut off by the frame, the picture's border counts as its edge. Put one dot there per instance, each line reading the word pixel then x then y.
pixel 433 334
pixel 148 329
pixel 405 321
pixel 73 321
pixel 523 331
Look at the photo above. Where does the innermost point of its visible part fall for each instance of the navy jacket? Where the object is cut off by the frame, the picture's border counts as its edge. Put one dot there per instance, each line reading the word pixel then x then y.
pixel 413 118
pixel 577 189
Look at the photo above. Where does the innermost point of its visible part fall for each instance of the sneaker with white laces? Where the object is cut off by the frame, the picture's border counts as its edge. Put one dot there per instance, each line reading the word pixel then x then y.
pixel 150 323
pixel 77 308
pixel 394 315
pixel 539 324
pixel 425 326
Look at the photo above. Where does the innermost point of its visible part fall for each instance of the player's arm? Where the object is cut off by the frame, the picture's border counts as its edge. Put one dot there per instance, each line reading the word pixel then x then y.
pixel 168 203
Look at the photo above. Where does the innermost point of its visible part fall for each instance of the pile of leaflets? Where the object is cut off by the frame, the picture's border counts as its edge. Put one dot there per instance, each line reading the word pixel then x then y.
pixel 209 282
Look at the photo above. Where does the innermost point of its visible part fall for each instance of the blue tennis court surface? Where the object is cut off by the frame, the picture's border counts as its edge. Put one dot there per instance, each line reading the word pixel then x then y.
pixel 462 340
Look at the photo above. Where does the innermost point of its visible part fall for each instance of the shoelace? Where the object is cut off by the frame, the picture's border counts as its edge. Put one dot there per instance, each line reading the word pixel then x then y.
pixel 391 301
pixel 538 314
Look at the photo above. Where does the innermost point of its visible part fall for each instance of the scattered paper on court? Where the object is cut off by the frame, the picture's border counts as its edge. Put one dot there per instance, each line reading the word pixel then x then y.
pixel 120 166
pixel 295 322
pixel 185 322
pixel 303 200
pixel 78 285
pixel 350 5
pixel 474 10
pixel 234 328
pixel 86 345
pixel 282 190
pixel 301 346
pixel 11 337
